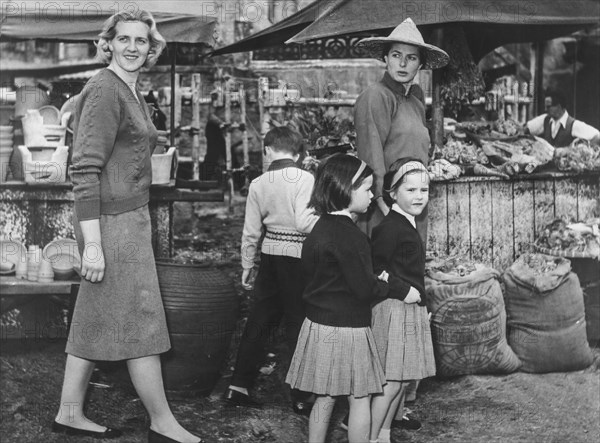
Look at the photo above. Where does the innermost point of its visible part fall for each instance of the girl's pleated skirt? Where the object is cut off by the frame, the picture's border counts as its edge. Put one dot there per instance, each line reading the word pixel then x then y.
pixel 335 361
pixel 403 340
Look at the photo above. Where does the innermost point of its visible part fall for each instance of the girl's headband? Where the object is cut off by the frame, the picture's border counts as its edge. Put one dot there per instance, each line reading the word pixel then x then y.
pixel 405 169
pixel 361 168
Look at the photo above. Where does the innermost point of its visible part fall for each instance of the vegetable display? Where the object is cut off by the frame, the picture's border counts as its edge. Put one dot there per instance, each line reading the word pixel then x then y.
pixel 580 156
pixel 578 239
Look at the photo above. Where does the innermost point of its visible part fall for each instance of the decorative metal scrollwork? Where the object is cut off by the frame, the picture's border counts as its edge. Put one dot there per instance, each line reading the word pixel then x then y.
pixel 330 48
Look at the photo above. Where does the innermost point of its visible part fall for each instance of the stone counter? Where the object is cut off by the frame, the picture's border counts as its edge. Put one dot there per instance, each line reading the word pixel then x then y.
pixel 39 213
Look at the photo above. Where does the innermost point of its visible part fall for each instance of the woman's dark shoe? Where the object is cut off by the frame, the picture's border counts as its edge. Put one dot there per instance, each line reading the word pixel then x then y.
pixel 155 437
pixel 240 399
pixel 69 430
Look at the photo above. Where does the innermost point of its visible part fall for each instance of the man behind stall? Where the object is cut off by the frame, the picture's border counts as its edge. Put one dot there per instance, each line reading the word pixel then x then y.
pixel 557 127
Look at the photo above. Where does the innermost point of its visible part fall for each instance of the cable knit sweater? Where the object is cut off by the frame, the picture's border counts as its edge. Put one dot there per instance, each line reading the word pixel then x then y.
pixel 113 138
pixel 277 208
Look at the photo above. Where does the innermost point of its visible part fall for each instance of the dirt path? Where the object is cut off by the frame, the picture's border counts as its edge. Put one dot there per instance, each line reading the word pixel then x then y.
pixel 558 407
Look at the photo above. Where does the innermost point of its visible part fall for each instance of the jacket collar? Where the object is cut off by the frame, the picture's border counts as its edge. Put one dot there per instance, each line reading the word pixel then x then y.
pixel 410 218
pixel 396 87
pixel 282 163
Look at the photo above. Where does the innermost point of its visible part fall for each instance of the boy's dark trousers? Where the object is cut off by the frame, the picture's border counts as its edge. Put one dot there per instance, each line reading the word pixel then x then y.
pixel 278 292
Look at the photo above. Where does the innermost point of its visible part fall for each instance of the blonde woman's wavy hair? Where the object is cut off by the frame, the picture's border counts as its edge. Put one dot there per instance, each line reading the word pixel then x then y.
pixel 109 31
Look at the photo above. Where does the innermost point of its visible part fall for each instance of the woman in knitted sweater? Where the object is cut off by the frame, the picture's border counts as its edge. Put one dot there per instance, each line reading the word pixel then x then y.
pixel 119 313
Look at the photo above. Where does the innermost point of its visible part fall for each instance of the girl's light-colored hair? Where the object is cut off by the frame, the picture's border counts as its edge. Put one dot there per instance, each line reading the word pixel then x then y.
pixel 109 31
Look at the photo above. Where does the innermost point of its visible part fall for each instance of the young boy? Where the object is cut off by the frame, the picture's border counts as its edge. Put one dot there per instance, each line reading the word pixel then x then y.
pixel 276 208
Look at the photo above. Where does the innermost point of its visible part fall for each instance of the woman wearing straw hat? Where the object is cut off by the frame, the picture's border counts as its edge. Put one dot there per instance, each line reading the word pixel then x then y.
pixel 389 118
pixel 390 115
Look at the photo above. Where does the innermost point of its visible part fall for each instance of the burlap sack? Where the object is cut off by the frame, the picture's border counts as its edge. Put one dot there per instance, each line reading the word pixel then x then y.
pixel 469 323
pixel 546 317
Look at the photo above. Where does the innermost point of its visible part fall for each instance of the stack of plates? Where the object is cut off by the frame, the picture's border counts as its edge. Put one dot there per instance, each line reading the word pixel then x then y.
pixel 13 257
pixel 6 149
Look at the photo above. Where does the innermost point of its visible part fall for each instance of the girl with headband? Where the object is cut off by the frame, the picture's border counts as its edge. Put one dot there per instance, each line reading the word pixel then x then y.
pixel 401 325
pixel 335 354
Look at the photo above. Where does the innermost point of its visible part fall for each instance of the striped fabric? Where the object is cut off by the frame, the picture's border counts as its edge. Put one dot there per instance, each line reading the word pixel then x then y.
pixel 403 339
pixel 282 236
pixel 335 361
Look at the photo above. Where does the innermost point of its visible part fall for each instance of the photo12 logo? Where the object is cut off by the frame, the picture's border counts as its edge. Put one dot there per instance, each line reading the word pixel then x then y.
pixel 61 11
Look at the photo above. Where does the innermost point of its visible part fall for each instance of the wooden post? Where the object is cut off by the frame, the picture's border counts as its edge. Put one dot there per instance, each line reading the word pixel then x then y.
pixel 264 116
pixel 242 95
pixel 263 90
pixel 539 79
pixel 515 94
pixel 532 108
pixel 437 113
pixel 228 157
pixel 196 84
pixel 177 104
pixel 173 48
pixel 242 92
pixel 575 79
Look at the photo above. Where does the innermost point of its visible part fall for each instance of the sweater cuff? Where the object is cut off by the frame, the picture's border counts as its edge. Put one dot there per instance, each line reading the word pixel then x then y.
pixel 398 288
pixel 87 209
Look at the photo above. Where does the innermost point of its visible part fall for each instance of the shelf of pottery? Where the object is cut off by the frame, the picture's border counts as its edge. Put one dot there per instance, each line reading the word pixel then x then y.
pixel 42 155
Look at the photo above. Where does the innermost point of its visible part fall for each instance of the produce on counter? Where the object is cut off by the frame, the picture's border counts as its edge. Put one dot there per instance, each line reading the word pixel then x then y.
pixel 581 238
pixel 498 130
pixel 524 153
pixel 490 172
pixel 508 127
pixel 442 169
pixel 461 152
pixel 503 156
pixel 580 156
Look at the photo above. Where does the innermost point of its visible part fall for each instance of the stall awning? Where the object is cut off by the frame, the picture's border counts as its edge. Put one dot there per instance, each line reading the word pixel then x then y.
pixel 10 68
pixel 487 25
pixel 68 24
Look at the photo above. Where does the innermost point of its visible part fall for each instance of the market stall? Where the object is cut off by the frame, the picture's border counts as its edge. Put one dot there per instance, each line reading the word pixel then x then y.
pixel 501 183
pixel 27 219
pixel 36 203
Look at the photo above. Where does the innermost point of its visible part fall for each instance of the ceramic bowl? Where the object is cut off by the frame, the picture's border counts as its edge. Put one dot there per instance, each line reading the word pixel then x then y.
pixel 50 114
pixel 12 252
pixel 64 256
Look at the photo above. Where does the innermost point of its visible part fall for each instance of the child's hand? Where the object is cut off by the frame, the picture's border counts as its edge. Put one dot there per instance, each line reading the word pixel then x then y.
pixel 413 296
pixel 248 279
pixel 383 276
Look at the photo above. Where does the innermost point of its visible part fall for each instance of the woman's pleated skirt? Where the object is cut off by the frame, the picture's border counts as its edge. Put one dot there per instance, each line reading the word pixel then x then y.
pixel 403 340
pixel 335 361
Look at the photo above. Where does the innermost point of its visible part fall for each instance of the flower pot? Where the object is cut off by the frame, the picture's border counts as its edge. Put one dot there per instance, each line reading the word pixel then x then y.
pixel 36 133
pixel 44 164
pixel 162 166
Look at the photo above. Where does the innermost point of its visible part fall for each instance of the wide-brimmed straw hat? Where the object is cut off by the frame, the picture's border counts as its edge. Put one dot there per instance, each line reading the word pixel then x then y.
pixel 406 32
